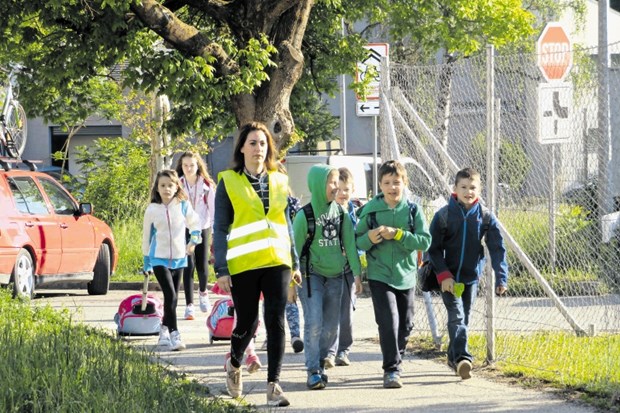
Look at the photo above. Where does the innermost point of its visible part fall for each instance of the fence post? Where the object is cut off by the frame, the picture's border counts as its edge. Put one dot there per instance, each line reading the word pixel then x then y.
pixel 490 185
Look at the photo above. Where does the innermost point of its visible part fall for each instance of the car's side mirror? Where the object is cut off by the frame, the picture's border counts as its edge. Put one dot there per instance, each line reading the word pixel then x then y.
pixel 86 208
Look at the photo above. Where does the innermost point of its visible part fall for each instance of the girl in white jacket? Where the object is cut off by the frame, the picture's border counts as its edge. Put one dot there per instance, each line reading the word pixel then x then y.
pixel 164 246
pixel 200 190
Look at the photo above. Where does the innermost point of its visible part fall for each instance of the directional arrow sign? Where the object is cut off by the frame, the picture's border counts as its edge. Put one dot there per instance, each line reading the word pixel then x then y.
pixel 370 108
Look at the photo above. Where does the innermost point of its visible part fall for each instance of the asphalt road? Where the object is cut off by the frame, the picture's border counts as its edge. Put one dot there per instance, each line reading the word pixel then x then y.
pixel 428 386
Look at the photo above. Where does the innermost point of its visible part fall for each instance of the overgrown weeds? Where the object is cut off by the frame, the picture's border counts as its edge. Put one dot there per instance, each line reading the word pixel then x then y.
pixel 54 364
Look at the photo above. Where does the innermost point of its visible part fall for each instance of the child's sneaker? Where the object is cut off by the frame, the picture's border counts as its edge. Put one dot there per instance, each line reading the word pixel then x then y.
pixel 329 361
pixel 315 381
pixel 189 312
pixel 234 381
pixel 203 299
pixel 175 341
pixel 275 395
pixel 298 344
pixel 342 359
pixel 392 380
pixel 252 363
pixel 164 337
pixel 463 369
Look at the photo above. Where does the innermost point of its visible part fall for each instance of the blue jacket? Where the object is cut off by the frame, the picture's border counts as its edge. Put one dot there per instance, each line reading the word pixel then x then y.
pixel 457 251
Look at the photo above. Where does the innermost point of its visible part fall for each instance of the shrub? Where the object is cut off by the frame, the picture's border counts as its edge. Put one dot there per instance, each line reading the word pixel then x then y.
pixel 115 177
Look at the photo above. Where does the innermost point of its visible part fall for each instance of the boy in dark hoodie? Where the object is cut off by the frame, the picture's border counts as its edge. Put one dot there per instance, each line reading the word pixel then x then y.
pixel 458 258
pixel 321 290
pixel 391 231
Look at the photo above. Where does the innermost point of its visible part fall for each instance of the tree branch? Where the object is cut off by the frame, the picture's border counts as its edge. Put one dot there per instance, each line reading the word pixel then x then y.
pixel 182 36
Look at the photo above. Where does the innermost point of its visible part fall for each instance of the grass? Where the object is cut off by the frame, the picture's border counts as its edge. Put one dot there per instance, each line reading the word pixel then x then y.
pixel 128 238
pixel 586 367
pixel 56 365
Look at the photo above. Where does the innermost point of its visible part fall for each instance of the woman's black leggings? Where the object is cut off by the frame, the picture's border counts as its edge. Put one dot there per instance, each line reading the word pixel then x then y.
pixel 170 281
pixel 246 290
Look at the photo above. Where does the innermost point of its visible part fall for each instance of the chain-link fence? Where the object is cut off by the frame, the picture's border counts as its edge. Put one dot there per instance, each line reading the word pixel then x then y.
pixel 546 169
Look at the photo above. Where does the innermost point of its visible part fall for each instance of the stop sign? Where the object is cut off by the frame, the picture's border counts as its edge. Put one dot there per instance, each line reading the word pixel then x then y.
pixel 555 56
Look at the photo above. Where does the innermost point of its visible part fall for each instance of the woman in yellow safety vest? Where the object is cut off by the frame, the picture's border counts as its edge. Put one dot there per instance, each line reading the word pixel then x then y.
pixel 255 252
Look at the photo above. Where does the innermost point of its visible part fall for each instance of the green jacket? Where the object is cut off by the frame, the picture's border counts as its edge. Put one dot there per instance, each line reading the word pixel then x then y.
pixel 390 261
pixel 326 254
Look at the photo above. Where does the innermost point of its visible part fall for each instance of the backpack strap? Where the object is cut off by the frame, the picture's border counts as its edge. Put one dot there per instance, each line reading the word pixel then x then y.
pixel 184 208
pixel 309 214
pixel 305 250
pixel 486 220
pixel 413 209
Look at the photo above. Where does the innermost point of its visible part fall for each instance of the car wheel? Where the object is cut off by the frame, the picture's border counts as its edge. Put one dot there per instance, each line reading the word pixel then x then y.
pixel 23 275
pixel 101 278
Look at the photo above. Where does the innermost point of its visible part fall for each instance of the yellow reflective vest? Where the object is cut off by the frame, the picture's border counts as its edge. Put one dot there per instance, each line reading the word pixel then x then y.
pixel 255 239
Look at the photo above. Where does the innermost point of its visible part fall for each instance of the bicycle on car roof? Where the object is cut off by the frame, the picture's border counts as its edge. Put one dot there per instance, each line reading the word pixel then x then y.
pixel 13 125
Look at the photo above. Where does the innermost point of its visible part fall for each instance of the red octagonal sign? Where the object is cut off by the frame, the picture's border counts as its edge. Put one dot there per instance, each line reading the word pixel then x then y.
pixel 555 56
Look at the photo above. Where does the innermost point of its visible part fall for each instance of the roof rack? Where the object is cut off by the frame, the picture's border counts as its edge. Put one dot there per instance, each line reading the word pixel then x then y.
pixel 7 162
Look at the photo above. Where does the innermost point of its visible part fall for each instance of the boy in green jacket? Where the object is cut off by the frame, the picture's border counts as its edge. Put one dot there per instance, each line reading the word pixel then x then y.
pixel 391 230
pixel 333 245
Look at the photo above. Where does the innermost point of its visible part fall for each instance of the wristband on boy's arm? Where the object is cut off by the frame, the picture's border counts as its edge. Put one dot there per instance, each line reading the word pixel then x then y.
pixel 399 234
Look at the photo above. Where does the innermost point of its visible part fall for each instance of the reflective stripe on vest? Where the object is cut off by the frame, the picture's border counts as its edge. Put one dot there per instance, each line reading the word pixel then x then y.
pixel 257 240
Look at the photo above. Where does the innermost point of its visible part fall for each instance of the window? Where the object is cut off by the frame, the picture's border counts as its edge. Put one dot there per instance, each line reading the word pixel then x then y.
pixel 61 202
pixel 27 196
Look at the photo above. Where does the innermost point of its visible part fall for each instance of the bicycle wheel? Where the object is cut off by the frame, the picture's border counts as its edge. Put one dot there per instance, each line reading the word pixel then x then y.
pixel 16 130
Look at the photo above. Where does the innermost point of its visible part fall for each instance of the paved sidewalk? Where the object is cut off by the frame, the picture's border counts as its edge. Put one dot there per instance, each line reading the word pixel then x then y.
pixel 428 386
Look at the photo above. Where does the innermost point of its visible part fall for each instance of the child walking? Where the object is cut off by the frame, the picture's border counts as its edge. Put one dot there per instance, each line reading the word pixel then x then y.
pixel 200 190
pixel 165 249
pixel 457 255
pixel 338 354
pixel 391 230
pixel 324 264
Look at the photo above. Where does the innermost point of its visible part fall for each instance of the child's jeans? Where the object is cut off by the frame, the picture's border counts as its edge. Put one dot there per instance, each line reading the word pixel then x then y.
pixel 458 321
pixel 321 317
pixel 394 316
pixel 344 337
pixel 292 317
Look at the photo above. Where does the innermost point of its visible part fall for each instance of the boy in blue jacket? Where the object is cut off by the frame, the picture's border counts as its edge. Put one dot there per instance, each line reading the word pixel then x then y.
pixel 332 247
pixel 391 230
pixel 457 255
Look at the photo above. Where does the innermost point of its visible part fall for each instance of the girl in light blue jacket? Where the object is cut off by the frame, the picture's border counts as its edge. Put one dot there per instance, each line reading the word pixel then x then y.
pixel 164 248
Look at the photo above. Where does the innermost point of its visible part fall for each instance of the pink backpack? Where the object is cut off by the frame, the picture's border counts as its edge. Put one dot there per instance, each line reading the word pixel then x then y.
pixel 131 320
pixel 221 321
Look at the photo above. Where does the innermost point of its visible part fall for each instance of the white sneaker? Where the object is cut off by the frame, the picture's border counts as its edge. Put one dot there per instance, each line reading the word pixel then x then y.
pixel 205 305
pixel 234 381
pixel 164 337
pixel 275 396
pixel 175 341
pixel 189 312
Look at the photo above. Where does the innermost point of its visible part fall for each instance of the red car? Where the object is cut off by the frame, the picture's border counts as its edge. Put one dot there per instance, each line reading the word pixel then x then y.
pixel 46 236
